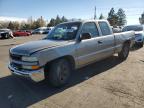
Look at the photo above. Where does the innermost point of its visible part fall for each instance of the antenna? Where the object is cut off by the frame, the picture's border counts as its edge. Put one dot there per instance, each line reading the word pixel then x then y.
pixel 95 13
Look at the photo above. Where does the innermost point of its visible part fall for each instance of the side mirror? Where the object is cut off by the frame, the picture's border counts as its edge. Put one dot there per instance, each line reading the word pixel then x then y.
pixel 84 36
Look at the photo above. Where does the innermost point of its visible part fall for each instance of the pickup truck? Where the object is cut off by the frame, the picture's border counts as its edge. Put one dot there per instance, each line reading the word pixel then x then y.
pixel 68 46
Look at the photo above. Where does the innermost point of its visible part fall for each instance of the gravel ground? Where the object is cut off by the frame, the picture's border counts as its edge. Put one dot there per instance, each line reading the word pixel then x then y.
pixel 110 83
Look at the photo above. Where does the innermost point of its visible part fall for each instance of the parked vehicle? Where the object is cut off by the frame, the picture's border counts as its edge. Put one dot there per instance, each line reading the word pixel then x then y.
pixel 5 34
pixel 116 30
pixel 29 31
pixel 68 46
pixel 42 30
pixel 21 33
pixel 139 33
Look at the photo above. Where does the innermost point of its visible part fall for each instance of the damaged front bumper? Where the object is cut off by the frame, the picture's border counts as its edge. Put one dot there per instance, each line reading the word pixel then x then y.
pixel 34 75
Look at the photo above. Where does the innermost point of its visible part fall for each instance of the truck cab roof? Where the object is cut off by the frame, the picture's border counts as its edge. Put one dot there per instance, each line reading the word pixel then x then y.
pixel 84 21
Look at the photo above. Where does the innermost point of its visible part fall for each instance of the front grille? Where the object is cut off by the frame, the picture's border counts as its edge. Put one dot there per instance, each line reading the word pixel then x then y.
pixel 16 66
pixel 15 57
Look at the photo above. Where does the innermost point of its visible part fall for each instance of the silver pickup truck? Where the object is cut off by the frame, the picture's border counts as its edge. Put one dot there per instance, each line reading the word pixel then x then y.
pixel 68 46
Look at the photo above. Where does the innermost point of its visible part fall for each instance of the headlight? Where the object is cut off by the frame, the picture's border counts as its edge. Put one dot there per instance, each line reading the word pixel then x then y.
pixel 29 59
pixel 30 67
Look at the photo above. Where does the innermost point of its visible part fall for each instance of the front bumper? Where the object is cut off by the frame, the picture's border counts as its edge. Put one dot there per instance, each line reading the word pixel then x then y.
pixel 35 75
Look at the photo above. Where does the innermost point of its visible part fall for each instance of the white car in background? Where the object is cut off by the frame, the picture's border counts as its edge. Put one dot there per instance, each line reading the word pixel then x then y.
pixel 6 34
pixel 42 30
pixel 139 33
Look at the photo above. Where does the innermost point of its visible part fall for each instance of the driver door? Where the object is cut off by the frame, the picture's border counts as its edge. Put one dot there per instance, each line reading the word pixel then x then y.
pixel 86 49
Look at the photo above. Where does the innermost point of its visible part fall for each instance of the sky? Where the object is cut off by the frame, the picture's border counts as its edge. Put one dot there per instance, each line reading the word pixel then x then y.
pixel 84 9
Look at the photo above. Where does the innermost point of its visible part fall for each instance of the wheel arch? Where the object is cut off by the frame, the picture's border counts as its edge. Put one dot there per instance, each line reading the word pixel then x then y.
pixel 69 58
pixel 128 41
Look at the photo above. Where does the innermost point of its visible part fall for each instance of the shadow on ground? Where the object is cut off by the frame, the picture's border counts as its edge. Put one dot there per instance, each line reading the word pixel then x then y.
pixel 19 93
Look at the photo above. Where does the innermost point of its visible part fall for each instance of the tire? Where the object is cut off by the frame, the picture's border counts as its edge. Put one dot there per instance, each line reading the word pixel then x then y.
pixel 124 52
pixel 141 44
pixel 59 73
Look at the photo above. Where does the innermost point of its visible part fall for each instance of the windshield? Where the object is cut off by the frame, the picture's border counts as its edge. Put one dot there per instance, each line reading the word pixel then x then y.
pixel 135 28
pixel 65 31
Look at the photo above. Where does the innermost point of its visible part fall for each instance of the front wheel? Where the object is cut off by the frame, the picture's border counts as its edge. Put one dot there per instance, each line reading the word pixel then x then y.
pixel 59 73
pixel 124 52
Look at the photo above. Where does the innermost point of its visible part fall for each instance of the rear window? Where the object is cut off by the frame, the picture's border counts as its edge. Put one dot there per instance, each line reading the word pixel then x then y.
pixel 90 27
pixel 104 28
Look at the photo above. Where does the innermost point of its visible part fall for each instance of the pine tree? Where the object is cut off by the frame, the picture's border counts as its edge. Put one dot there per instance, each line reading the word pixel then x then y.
pixel 112 17
pixel 26 27
pixel 13 25
pixel 40 22
pixel 64 19
pixel 16 25
pixel 51 23
pixel 141 19
pixel 10 26
pixel 58 20
pixel 101 16
pixel 121 17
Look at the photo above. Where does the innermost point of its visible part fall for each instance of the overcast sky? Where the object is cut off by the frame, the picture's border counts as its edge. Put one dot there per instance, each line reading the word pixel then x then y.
pixel 83 9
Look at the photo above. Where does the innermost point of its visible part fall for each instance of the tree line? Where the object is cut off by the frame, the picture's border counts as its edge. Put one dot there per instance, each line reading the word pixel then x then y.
pixel 32 24
pixel 115 19
pixel 119 18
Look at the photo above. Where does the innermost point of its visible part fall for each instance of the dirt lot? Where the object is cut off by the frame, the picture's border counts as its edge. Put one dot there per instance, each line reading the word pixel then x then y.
pixel 106 84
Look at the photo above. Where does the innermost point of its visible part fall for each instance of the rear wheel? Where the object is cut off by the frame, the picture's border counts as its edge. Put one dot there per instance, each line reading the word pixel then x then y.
pixel 141 44
pixel 124 52
pixel 59 72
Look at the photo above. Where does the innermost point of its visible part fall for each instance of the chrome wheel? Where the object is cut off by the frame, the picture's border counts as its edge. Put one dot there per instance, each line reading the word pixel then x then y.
pixel 63 72
pixel 59 73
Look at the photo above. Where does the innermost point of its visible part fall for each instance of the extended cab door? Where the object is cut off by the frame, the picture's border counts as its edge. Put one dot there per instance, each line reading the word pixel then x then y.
pixel 86 49
pixel 106 42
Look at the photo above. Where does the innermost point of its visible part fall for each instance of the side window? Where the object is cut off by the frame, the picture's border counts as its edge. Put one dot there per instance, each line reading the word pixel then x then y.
pixel 90 28
pixel 104 28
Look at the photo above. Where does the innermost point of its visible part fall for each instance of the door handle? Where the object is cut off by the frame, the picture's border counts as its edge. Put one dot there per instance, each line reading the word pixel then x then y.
pixel 100 42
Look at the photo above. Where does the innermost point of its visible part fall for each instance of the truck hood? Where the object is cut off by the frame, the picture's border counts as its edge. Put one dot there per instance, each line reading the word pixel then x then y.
pixel 34 46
